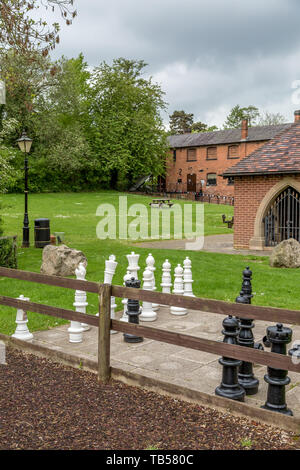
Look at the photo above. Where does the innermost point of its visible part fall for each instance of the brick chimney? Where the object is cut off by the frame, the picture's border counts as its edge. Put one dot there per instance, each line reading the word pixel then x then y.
pixel 297 115
pixel 244 133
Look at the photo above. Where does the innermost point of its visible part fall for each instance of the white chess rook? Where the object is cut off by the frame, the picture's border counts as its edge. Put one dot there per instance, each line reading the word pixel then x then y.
pixel 150 261
pixel 124 301
pixel 148 313
pixel 133 266
pixel 110 269
pixel 178 289
pixel 81 302
pixel 166 281
pixel 22 331
pixel 187 277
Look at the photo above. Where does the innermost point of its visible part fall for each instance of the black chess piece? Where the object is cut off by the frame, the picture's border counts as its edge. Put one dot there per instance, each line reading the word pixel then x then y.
pixel 133 312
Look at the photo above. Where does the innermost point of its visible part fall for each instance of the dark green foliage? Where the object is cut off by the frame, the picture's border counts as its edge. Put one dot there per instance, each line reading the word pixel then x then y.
pixel 8 252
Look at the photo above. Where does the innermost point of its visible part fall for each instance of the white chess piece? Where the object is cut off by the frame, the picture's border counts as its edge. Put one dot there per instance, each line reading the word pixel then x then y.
pixel 166 281
pixel 81 302
pixel 148 313
pixel 110 269
pixel 150 261
pixel 187 277
pixel 124 301
pixel 133 266
pixel 178 289
pixel 22 331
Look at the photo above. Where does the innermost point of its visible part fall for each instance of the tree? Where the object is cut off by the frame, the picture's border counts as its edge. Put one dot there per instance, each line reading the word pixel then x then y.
pixel 181 122
pixel 237 114
pixel 19 31
pixel 126 128
pixel 270 119
pixel 201 127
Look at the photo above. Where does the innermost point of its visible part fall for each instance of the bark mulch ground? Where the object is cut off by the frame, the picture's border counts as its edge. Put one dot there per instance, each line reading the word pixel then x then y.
pixel 44 405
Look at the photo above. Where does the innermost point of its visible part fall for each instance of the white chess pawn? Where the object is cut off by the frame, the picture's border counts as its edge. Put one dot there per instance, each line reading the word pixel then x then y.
pixel 150 261
pixel 187 277
pixel 133 266
pixel 81 302
pixel 110 269
pixel 22 331
pixel 166 281
pixel 124 301
pixel 148 313
pixel 178 289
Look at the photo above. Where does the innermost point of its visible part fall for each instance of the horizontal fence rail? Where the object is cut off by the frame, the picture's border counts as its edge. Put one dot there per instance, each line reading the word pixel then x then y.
pixel 105 291
pixel 57 281
pixel 188 341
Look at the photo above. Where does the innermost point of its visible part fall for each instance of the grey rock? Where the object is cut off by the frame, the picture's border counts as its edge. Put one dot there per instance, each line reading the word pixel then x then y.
pixel 61 260
pixel 286 254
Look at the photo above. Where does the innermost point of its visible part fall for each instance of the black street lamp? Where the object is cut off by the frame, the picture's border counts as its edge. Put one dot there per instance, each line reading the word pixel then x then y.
pixel 24 143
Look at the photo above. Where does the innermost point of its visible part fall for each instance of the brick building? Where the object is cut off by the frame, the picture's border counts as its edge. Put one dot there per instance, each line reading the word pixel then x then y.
pixel 197 161
pixel 267 192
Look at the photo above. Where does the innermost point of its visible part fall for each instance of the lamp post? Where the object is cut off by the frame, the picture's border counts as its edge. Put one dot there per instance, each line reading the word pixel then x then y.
pixel 24 143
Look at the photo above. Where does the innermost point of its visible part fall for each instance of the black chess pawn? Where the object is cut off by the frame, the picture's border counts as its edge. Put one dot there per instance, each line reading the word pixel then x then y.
pixel 278 336
pixel 133 312
pixel 229 387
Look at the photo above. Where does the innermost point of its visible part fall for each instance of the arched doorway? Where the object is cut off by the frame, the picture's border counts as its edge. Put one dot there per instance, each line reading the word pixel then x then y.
pixel 282 219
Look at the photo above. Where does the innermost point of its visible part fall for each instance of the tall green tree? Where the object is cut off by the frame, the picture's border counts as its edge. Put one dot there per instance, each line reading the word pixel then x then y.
pixel 181 122
pixel 238 113
pixel 127 132
pixel 202 127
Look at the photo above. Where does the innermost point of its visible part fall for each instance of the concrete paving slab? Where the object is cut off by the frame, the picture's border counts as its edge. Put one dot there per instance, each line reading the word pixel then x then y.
pixel 180 366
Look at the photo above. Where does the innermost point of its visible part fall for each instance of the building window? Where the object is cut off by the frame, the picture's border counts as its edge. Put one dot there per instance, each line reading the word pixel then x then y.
pixel 230 180
pixel 211 179
pixel 211 153
pixel 233 151
pixel 174 155
pixel 191 155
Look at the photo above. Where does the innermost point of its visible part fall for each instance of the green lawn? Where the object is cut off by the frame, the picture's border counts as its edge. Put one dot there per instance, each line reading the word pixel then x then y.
pixel 215 275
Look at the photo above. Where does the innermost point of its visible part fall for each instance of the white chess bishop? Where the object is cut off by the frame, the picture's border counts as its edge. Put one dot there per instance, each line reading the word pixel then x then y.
pixel 148 314
pixel 110 269
pixel 178 289
pixel 133 266
pixel 166 280
pixel 150 261
pixel 187 278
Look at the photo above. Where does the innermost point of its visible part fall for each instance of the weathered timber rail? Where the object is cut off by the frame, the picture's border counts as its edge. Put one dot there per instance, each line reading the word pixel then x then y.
pixel 104 322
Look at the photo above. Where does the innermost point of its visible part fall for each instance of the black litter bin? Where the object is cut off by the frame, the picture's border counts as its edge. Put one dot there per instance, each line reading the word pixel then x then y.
pixel 41 232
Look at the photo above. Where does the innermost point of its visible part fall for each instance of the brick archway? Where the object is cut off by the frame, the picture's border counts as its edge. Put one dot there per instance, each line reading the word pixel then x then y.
pixel 257 242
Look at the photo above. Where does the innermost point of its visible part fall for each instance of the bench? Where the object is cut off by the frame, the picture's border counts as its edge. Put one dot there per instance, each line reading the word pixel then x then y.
pixel 161 202
pixel 229 222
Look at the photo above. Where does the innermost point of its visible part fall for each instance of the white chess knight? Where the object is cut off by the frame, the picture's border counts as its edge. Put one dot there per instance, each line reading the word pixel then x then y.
pixel 187 277
pixel 178 289
pixel 133 266
pixel 150 261
pixel 124 317
pixel 80 273
pixel 148 313
pixel 22 331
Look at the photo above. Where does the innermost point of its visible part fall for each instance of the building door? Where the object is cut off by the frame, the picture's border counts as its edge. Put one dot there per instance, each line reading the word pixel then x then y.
pixel 282 220
pixel 191 183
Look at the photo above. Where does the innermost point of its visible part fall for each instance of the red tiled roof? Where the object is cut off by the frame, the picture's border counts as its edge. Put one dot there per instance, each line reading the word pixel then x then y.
pixel 280 155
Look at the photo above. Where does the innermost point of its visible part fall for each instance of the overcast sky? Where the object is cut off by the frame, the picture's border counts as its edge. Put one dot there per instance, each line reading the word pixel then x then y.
pixel 207 55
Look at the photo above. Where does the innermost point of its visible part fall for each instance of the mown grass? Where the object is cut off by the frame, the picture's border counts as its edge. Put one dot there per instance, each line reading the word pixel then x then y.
pixel 215 275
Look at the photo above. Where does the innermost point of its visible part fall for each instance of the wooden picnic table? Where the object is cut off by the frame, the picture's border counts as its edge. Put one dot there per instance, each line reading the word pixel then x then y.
pixel 161 201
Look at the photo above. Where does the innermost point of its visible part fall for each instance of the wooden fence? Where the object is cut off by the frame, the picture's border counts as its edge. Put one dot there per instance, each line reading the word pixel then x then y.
pixel 105 324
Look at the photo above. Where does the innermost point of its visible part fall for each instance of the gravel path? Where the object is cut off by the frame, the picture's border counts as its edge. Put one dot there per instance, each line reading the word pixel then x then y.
pixel 44 405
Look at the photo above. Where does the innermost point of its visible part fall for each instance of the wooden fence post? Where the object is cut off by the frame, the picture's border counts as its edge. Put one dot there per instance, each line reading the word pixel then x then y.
pixel 104 371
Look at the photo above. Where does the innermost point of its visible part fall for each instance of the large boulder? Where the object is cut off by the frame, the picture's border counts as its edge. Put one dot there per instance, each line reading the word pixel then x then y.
pixel 61 260
pixel 286 254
